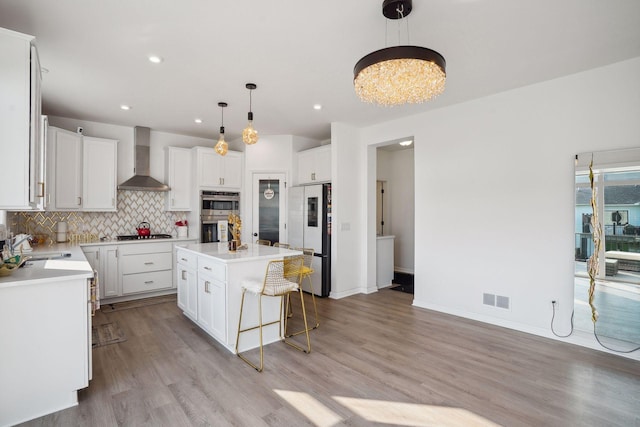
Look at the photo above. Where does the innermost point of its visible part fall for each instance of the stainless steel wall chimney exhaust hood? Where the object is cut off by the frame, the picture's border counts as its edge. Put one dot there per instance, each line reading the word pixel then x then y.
pixel 141 181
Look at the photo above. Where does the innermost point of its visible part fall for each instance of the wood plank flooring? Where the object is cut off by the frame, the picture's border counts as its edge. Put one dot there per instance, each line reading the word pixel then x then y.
pixel 375 360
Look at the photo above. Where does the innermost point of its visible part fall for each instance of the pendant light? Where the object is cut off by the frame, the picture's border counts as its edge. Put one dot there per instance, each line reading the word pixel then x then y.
pixel 222 147
pixel 400 74
pixel 249 134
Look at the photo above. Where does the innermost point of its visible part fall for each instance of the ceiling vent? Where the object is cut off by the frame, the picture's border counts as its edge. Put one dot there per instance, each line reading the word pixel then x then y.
pixel 141 181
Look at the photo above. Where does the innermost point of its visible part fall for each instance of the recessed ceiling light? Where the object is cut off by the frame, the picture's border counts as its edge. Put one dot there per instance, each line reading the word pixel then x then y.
pixel 155 59
pixel 125 107
pixel 317 107
pixel 406 143
pixel 198 121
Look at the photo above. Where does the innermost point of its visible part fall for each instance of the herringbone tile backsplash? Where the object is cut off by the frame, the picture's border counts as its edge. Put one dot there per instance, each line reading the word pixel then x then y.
pixel 133 208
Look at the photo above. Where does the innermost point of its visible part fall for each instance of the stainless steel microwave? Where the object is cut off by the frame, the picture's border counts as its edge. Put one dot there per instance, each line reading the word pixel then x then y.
pixel 219 204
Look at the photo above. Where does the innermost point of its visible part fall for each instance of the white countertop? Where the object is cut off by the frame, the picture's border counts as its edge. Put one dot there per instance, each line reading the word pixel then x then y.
pixel 52 270
pixel 220 251
pixel 386 236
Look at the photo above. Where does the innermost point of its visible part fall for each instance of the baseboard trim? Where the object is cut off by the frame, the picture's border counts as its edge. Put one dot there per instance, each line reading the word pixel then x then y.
pixel 403 270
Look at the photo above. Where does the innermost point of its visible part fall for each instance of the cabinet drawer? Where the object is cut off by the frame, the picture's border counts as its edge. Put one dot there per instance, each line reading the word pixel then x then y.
pixel 145 248
pixel 145 282
pixel 211 268
pixel 145 262
pixel 188 259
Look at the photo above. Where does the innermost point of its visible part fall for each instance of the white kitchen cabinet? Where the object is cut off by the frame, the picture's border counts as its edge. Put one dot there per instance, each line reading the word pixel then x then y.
pixel 211 314
pixel 187 281
pixel 314 165
pixel 216 171
pixel 178 175
pixel 65 169
pixel 104 260
pixel 19 120
pixel 146 267
pixel 99 170
pixel 82 172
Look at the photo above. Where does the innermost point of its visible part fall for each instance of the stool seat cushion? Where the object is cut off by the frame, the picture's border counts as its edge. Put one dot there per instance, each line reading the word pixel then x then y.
pixel 305 271
pixel 282 287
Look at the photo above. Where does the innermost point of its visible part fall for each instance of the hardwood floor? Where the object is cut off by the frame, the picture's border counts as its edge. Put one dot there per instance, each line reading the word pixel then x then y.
pixel 375 360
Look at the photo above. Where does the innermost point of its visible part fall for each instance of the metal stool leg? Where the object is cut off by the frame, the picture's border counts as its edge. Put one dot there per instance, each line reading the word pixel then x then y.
pixel 305 330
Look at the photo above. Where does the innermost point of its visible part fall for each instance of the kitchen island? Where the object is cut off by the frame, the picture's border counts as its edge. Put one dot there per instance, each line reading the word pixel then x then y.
pixel 45 335
pixel 209 290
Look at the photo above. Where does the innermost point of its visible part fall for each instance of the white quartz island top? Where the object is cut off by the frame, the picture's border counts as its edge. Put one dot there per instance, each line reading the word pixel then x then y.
pixel 220 251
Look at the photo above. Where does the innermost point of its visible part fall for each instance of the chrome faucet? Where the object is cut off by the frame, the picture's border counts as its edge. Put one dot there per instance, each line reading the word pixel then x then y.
pixel 16 242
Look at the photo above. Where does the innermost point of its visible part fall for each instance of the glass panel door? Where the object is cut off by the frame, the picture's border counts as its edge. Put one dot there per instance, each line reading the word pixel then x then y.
pixel 269 208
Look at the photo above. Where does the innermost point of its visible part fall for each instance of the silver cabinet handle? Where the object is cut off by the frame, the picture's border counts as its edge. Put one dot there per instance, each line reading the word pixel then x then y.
pixel 79 201
pixel 41 184
pixel 148 282
pixel 183 259
pixel 148 263
pixel 184 274
pixel 206 286
pixel 208 268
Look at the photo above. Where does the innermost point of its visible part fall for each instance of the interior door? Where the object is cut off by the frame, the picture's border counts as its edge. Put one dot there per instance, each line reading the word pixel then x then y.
pixel 269 207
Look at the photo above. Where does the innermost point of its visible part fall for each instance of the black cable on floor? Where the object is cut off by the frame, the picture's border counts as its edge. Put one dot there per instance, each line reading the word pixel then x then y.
pixel 609 348
pixel 553 317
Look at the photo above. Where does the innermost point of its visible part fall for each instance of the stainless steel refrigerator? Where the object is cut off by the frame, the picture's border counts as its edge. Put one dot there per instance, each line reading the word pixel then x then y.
pixel 310 227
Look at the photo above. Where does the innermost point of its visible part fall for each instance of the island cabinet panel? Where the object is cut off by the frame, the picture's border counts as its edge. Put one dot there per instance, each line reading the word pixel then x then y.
pixel 217 288
pixel 187 281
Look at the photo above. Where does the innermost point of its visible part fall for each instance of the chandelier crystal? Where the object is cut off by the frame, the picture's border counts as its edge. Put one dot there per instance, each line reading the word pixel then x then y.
pixel 222 147
pixel 401 74
pixel 249 134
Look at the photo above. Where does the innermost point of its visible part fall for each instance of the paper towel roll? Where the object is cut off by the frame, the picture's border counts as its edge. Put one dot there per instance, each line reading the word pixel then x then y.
pixel 62 226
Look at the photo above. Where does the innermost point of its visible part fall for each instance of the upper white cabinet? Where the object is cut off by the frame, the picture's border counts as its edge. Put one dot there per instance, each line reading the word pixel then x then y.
pixel 65 169
pixel 19 120
pixel 178 175
pixel 99 180
pixel 81 171
pixel 314 165
pixel 214 170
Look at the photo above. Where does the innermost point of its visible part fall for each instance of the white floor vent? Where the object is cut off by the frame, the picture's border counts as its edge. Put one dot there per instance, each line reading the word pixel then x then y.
pixel 496 301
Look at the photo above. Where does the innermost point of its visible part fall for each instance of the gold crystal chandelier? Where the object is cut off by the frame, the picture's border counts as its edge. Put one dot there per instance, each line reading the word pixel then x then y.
pixel 222 147
pixel 249 134
pixel 400 74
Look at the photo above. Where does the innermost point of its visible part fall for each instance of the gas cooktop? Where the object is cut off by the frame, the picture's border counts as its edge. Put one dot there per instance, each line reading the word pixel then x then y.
pixel 151 236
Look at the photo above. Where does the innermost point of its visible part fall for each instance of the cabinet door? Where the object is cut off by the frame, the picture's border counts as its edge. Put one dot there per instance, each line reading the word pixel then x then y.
pixel 67 173
pixel 209 164
pixel 188 291
pixel 218 313
pixel 36 178
pixel 178 173
pixel 232 171
pixel 99 174
pixel 14 119
pixel 323 164
pixel 109 276
pixel 205 308
pixel 93 257
pixel 306 167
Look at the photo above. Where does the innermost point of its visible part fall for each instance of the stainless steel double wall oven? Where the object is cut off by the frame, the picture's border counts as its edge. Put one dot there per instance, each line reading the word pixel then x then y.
pixel 216 206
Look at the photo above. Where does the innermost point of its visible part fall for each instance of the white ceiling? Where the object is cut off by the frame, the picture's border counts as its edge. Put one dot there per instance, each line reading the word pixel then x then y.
pixel 299 53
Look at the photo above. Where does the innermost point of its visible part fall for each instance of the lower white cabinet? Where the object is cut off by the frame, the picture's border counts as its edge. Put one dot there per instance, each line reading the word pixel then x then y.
pixel 187 281
pixel 146 267
pixel 202 292
pixel 104 260
pixel 136 270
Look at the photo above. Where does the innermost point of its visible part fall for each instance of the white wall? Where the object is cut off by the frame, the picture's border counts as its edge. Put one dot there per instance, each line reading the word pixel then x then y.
pixel 503 168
